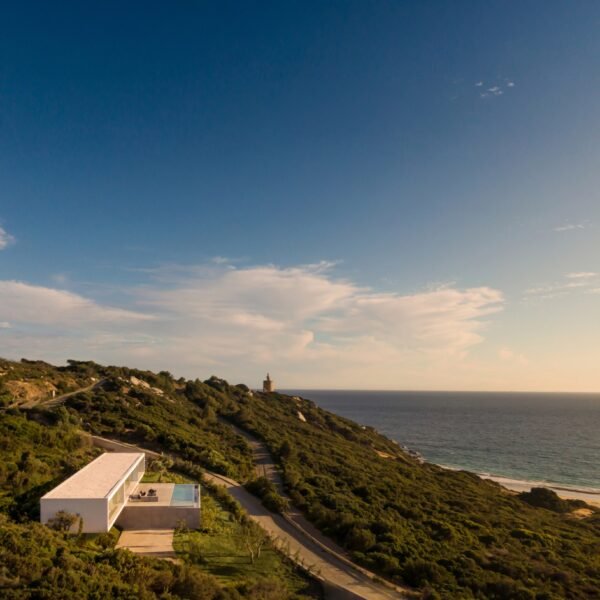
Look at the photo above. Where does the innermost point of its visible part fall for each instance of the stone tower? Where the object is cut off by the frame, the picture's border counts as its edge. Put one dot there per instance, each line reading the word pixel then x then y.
pixel 268 384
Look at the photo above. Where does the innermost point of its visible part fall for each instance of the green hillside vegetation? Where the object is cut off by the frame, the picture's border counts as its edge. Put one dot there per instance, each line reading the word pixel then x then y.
pixel 448 533
pixel 36 457
pixel 451 532
pixel 161 417
pixel 39 449
pixel 37 562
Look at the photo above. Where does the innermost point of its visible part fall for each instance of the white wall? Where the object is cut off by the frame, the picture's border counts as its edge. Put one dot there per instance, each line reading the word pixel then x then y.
pixel 94 511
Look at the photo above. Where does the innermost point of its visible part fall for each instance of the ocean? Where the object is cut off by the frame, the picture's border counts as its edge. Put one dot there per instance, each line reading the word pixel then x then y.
pixel 551 439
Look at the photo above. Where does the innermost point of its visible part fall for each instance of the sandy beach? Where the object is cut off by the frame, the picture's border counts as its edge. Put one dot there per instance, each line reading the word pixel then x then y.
pixel 590 496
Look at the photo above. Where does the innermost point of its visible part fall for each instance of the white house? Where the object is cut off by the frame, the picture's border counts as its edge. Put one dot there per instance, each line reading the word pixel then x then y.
pixel 98 492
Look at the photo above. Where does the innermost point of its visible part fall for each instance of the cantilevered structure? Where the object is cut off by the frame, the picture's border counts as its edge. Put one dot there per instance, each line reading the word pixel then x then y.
pixel 98 492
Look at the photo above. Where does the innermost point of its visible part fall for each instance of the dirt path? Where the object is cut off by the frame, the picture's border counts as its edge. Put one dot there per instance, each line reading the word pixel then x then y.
pixel 51 402
pixel 157 543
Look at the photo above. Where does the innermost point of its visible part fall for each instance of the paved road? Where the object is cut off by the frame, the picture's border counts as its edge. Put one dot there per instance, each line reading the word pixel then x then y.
pixel 345 582
pixel 265 466
pixel 341 580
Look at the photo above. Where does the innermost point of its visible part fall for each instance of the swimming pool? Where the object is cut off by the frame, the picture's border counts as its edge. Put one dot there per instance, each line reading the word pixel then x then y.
pixel 184 495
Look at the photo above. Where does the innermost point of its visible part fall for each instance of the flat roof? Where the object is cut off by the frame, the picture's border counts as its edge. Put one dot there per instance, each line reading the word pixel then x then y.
pixel 98 478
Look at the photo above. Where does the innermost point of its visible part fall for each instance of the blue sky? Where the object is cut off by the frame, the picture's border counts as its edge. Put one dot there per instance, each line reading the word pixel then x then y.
pixel 349 194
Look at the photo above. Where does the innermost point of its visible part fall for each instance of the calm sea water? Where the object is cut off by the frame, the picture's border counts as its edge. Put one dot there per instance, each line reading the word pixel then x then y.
pixel 554 438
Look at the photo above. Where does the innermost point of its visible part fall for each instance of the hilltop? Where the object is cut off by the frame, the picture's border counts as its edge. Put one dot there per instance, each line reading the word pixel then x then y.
pixel 448 534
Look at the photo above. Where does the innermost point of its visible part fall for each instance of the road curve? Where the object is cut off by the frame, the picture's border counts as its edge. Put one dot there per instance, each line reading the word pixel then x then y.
pixel 345 581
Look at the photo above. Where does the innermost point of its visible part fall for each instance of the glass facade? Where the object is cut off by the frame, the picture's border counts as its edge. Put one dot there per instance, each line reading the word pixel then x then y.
pixel 117 501
pixel 133 478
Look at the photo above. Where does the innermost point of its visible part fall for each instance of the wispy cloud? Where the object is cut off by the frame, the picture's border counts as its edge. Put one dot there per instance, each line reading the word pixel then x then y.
pixel 508 355
pixel 495 89
pixel 6 239
pixel 569 227
pixel 571 282
pixel 60 278
pixel 220 260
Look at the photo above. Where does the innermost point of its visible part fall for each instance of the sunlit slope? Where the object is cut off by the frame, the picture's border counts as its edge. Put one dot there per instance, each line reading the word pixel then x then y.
pixel 448 533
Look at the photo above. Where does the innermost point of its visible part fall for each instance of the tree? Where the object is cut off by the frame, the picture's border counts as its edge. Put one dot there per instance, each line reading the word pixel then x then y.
pixel 210 513
pixel 253 539
pixel 63 521
pixel 161 466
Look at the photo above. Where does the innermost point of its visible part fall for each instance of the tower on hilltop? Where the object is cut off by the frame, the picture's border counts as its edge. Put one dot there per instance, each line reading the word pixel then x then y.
pixel 268 384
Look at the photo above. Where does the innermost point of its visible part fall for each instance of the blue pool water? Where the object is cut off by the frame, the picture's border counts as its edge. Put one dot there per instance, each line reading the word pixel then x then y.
pixel 183 495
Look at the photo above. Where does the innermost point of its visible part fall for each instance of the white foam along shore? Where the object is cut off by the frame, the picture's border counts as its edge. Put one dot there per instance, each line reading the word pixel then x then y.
pixel 589 495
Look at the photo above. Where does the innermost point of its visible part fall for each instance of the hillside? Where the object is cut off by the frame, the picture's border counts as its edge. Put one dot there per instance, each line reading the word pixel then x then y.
pixel 429 527
pixel 43 446
pixel 449 534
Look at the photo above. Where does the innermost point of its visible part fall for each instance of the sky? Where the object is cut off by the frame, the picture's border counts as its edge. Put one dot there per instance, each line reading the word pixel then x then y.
pixel 368 195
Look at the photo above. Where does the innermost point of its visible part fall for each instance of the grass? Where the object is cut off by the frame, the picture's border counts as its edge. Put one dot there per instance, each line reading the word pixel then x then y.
pixel 169 477
pixel 218 550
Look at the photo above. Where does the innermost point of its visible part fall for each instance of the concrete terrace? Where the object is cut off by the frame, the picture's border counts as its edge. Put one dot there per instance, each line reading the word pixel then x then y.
pixel 164 492
pixel 169 507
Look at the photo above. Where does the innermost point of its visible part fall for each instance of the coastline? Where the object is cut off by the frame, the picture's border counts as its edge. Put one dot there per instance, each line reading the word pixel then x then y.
pixel 388 412
pixel 589 495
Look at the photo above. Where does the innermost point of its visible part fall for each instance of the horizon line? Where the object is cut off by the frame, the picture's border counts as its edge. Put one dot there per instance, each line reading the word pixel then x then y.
pixel 589 393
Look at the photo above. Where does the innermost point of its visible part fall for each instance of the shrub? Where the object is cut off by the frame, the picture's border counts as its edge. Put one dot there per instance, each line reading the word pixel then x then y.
pixel 420 572
pixel 266 491
pixel 64 521
pixel 360 539
pixel 545 498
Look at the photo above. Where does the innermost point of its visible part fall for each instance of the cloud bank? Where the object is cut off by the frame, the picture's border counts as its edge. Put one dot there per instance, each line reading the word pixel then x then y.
pixel 302 322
